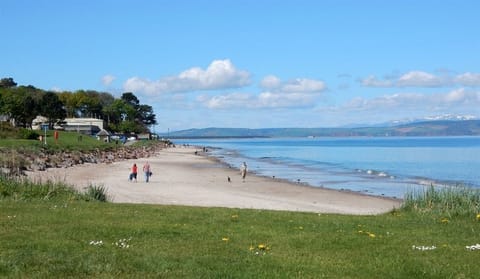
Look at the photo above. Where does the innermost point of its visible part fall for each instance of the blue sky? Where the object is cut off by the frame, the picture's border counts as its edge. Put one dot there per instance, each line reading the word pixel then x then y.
pixel 253 63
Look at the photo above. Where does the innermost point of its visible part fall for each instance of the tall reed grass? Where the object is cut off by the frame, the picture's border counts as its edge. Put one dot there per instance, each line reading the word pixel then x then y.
pixel 453 201
pixel 22 189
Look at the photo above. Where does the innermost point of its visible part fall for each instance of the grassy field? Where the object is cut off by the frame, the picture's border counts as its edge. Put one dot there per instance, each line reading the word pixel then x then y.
pixel 56 233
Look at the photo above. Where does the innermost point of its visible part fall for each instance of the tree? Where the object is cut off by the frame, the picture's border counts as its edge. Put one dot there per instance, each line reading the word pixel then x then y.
pixel 142 115
pixel 20 104
pixel 7 83
pixel 145 115
pixel 52 108
pixel 130 99
pixel 69 103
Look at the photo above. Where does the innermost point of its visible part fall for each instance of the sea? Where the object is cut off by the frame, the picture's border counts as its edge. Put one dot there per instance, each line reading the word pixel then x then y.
pixel 380 166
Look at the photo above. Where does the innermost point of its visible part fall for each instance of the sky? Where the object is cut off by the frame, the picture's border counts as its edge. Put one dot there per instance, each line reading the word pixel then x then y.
pixel 253 63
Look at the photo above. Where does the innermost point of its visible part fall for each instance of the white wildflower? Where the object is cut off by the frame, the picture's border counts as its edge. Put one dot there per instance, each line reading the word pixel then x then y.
pixel 123 243
pixel 473 247
pixel 96 242
pixel 424 248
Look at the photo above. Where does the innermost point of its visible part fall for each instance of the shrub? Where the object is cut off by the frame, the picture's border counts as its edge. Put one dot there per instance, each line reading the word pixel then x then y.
pixel 96 193
pixel 28 134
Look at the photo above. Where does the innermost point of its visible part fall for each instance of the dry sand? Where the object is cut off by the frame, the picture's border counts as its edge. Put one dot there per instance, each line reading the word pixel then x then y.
pixel 182 178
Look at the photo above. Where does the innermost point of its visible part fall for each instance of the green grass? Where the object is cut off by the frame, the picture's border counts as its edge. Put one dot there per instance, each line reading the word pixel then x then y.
pixel 61 238
pixel 67 141
pixel 70 141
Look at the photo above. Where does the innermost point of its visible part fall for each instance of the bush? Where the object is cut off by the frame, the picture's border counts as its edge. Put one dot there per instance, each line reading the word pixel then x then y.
pixel 97 193
pixel 28 134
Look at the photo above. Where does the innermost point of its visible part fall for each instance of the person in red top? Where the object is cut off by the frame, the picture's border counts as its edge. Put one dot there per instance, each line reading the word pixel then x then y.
pixel 133 174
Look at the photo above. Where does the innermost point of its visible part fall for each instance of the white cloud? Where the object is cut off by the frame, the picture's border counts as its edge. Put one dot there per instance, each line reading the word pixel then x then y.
pixel 300 92
pixel 232 100
pixel 272 83
pixel 424 79
pixel 372 81
pixel 453 99
pixel 286 99
pixel 220 74
pixel 303 85
pixel 108 79
pixel 265 99
pixel 468 79
pixel 420 79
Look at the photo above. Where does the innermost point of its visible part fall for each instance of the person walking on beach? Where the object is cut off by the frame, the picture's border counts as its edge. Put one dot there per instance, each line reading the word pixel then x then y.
pixel 133 174
pixel 146 171
pixel 243 170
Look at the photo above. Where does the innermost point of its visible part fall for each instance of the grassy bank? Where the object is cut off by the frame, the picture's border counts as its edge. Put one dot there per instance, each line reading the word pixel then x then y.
pixel 65 141
pixel 72 237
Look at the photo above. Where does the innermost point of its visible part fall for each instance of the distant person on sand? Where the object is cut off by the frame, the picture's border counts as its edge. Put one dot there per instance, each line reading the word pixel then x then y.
pixel 146 171
pixel 133 174
pixel 243 170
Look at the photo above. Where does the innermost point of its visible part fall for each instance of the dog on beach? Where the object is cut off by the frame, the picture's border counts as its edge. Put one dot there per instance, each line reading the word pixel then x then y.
pixel 228 179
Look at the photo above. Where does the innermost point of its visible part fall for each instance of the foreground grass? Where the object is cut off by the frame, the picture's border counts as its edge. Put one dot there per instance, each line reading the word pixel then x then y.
pixel 74 238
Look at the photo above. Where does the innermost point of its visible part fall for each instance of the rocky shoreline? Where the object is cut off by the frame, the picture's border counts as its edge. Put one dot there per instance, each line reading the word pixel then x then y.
pixel 16 162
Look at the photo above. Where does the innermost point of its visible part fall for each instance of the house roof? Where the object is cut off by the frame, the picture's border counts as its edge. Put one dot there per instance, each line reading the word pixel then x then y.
pixel 103 132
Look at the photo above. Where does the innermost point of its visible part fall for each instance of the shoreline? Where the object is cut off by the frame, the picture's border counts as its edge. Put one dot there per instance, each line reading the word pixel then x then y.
pixel 295 184
pixel 180 177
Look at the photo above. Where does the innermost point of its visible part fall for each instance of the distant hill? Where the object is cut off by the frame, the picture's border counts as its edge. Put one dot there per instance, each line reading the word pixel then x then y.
pixel 417 129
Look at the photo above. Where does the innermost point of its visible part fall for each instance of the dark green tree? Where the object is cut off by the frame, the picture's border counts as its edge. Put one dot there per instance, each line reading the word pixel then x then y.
pixel 20 104
pixel 130 99
pixel 52 108
pixel 7 83
pixel 141 115
pixel 145 115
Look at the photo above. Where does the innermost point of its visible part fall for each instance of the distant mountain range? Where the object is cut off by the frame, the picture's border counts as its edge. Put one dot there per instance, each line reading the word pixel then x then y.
pixel 452 117
pixel 415 129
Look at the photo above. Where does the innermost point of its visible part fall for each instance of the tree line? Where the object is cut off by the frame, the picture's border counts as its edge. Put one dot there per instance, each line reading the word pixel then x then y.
pixel 121 115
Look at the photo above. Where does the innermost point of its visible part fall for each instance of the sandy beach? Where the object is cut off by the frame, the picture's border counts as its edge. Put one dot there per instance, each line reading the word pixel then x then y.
pixel 182 178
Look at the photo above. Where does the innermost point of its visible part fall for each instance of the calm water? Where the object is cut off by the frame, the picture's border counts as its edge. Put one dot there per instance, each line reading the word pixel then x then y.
pixel 377 166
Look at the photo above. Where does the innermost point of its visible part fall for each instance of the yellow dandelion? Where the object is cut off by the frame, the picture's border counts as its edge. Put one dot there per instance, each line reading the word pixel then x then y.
pixel 300 228
pixel 444 220
pixel 372 235
pixel 251 248
pixel 225 239
pixel 235 216
pixel 478 217
pixel 360 231
pixel 262 246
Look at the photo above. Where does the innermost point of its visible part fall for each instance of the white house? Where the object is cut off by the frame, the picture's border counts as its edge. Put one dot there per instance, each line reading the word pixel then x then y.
pixel 89 126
